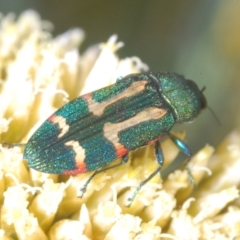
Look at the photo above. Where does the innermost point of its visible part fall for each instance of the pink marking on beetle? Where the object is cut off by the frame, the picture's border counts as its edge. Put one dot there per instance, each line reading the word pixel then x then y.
pixel 97 108
pixel 79 157
pixel 87 96
pixel 111 130
pixel 52 118
pixel 61 122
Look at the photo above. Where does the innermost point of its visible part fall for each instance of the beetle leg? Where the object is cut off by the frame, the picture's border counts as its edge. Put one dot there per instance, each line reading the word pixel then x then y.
pixel 84 188
pixel 160 159
pixel 183 147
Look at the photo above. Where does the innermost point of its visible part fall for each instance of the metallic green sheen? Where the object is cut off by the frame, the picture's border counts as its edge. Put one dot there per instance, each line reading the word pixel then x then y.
pixel 183 95
pixel 180 99
pixel 107 93
pixel 74 110
pixel 142 133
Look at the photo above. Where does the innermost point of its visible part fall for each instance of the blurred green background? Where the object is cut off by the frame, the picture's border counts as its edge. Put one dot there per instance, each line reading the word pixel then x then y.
pixel 197 38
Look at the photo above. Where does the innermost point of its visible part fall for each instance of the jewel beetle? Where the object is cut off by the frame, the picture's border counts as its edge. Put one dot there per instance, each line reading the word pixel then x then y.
pixel 94 129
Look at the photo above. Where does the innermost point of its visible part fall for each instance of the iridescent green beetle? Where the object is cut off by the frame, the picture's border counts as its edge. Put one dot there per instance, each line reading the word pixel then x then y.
pixel 93 130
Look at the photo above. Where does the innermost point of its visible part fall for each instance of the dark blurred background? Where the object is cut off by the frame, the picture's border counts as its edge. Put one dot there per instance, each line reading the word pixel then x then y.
pixel 199 39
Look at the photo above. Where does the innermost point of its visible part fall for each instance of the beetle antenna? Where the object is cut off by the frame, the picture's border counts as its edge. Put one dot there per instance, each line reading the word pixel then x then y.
pixel 214 115
pixel 203 89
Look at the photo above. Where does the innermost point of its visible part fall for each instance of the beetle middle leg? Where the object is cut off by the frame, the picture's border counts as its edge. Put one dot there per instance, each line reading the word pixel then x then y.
pixel 160 159
pixel 84 188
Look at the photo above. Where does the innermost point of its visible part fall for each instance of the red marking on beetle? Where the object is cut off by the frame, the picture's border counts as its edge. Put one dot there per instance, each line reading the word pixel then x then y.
pixel 120 150
pixel 80 169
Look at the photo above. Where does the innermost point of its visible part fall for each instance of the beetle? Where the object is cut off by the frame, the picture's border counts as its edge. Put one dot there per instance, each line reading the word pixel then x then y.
pixel 96 128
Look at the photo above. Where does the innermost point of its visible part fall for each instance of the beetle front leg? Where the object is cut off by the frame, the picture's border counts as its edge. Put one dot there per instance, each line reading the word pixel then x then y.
pixel 183 147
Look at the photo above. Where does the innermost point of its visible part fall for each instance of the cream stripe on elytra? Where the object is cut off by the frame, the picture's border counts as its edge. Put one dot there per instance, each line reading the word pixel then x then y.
pixel 79 151
pixel 61 121
pixel 111 130
pixel 97 108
